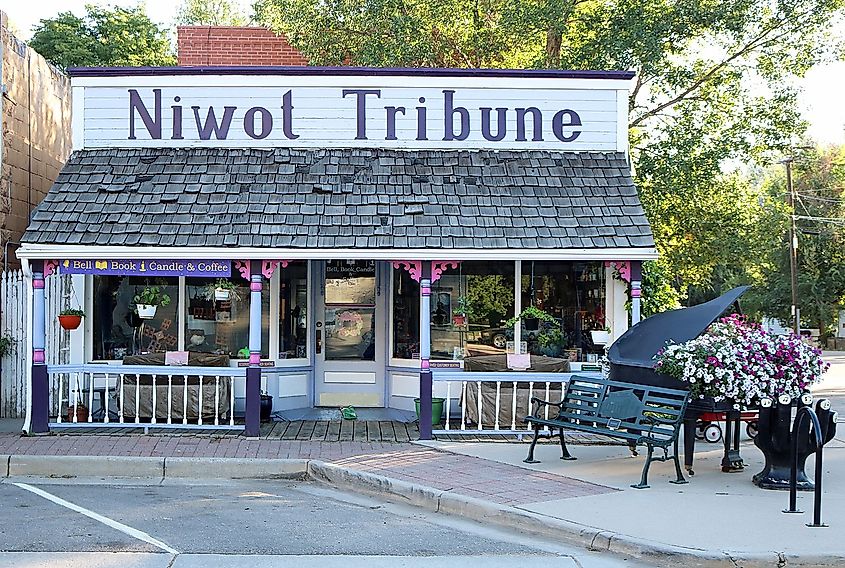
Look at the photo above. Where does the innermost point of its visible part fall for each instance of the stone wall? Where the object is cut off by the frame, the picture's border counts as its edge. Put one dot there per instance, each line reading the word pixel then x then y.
pixel 36 141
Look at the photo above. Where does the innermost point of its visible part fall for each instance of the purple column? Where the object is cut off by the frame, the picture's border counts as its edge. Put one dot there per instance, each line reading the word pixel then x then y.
pixel 636 290
pixel 253 372
pixel 425 352
pixel 39 387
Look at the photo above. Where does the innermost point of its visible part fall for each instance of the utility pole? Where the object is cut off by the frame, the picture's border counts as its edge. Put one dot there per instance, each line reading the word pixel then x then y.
pixel 793 248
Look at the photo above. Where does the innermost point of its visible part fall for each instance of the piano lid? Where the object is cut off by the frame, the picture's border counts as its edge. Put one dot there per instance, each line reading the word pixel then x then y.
pixel 638 346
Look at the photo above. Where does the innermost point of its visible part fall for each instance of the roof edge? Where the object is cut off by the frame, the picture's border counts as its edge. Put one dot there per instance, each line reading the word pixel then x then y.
pixel 345 71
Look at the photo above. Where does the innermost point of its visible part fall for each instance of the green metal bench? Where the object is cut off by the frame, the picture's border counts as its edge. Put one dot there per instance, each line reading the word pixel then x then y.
pixel 638 414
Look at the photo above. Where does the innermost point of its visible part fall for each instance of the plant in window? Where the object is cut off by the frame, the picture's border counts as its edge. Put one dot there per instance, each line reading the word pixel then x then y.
pixel 148 300
pixel 551 340
pixel 531 316
pixel 222 290
pixel 462 311
pixel 70 318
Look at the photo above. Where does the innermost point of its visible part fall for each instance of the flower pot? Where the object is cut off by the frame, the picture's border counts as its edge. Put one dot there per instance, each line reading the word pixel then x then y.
pixel 459 320
pixel 266 408
pixel 81 413
pixel 600 337
pixel 146 311
pixel 70 321
pixel 531 324
pixel 436 409
pixel 222 294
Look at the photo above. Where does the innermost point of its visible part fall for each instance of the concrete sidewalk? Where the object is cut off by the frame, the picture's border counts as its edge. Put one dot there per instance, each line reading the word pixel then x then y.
pixel 717 520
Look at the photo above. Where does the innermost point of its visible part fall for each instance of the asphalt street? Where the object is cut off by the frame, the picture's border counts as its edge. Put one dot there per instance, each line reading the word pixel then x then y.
pixel 65 524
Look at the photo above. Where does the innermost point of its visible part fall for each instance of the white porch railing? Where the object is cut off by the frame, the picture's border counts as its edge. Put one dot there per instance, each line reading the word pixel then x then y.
pixel 495 402
pixel 143 396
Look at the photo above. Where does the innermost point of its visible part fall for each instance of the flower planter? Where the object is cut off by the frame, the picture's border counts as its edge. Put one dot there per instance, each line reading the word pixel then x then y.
pixel 459 320
pixel 69 321
pixel 222 294
pixel 436 409
pixel 531 324
pixel 600 337
pixel 146 311
pixel 81 413
pixel 266 409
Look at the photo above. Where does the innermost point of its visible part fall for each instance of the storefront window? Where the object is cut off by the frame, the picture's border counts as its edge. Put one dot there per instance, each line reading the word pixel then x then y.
pixel 217 317
pixel 350 322
pixel 469 306
pixel 118 331
pixel 572 292
pixel 293 306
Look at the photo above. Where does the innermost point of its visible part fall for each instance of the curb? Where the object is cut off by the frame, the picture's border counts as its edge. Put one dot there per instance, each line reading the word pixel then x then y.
pixel 429 498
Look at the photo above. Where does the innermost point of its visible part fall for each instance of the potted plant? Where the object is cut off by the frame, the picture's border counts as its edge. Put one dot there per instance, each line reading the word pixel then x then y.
pixel 600 336
pixel 550 341
pixel 531 317
pixel 147 302
pixel 222 290
pixel 70 318
pixel 461 312
pixel 738 362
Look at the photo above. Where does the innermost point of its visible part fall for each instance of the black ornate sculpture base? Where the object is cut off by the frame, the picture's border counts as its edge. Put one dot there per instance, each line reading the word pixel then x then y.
pixel 775 441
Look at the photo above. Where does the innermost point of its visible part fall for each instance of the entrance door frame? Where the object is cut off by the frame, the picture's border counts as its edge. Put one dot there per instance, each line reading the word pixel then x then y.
pixel 339 392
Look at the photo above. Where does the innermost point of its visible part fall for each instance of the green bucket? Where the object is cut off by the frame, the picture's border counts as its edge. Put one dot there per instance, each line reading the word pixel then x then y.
pixel 436 409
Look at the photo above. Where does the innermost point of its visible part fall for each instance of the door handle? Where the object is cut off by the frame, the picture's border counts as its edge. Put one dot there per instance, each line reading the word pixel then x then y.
pixel 319 343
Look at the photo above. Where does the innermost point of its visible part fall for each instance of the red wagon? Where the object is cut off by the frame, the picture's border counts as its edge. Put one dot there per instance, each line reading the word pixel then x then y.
pixel 707 426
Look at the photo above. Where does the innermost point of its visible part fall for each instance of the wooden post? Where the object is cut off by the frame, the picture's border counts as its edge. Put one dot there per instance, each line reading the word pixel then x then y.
pixel 39 387
pixel 253 372
pixel 425 352
pixel 636 290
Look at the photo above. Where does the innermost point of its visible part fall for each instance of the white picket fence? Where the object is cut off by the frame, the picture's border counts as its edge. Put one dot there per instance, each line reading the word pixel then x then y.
pixel 13 325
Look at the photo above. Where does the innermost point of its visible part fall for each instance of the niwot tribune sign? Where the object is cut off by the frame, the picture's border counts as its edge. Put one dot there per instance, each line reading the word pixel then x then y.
pixel 413 112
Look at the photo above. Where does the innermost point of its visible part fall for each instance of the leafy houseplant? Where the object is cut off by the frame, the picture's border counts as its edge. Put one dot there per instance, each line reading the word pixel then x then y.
pixel 550 341
pixel 148 301
pixel 222 290
pixel 70 318
pixel 532 317
pixel 462 311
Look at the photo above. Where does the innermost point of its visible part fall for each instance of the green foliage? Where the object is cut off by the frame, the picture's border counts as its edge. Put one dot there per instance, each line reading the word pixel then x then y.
pixel 210 13
pixel 658 293
pixel 464 307
pixel 152 296
pixel 72 312
pixel 531 312
pixel 491 297
pixel 7 345
pixel 104 37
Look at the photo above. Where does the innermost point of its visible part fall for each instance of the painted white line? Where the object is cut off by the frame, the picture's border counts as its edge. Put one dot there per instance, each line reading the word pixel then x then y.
pixel 134 533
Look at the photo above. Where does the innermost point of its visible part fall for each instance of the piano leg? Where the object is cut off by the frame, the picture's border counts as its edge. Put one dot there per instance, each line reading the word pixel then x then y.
pixel 732 461
pixel 689 440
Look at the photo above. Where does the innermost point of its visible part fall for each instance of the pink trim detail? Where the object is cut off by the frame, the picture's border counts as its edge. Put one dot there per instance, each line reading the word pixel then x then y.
pixel 243 266
pixel 268 267
pixel 50 267
pixel 38 356
pixel 424 364
pixel 255 358
pixel 438 267
pixel 623 266
pixel 635 292
pixel 38 283
pixel 413 267
pixel 426 291
pixel 255 286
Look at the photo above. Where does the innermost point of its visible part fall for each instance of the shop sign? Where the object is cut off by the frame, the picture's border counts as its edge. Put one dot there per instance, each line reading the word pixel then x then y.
pixel 148 267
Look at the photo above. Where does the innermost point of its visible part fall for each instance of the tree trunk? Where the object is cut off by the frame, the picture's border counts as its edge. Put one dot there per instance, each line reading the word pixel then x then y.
pixel 553 41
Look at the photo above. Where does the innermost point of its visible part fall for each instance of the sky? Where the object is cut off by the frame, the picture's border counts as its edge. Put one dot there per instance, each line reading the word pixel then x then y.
pixel 821 100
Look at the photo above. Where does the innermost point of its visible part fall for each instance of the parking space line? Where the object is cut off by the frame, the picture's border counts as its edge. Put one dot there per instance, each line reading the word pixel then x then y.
pixel 134 533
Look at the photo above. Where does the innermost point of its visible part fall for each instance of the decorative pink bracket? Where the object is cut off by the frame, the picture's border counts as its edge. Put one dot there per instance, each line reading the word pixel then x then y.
pixel 438 267
pixel 413 267
pixel 50 267
pixel 268 267
pixel 622 267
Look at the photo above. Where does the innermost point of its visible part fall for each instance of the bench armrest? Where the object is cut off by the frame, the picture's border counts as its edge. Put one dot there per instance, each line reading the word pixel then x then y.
pixel 655 421
pixel 541 402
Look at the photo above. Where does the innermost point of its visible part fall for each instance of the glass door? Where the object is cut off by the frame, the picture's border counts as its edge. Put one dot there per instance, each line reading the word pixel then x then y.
pixel 349 336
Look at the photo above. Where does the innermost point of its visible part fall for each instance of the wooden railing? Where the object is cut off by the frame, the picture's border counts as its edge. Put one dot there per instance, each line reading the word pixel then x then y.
pixel 149 396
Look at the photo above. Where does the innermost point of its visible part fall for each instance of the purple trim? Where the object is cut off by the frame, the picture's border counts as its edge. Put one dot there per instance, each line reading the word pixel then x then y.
pixel 426 291
pixel 38 356
pixel 344 71
pixel 39 423
pixel 255 358
pixel 255 286
pixel 425 364
pixel 253 402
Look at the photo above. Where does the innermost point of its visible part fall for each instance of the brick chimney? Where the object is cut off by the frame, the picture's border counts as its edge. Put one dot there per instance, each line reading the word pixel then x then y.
pixel 227 45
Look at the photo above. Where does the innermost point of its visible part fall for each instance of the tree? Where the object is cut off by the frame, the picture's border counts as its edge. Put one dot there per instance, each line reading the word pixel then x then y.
pixel 104 37
pixel 210 13
pixel 819 182
pixel 712 88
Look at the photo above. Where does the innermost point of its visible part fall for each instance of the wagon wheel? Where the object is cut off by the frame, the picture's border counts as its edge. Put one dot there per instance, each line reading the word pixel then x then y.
pixel 752 428
pixel 713 433
pixel 700 426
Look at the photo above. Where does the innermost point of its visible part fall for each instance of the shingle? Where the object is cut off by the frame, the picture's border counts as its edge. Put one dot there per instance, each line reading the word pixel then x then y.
pixel 342 198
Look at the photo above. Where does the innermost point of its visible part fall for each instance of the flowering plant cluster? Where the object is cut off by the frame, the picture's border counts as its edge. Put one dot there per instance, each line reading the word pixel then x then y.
pixel 740 361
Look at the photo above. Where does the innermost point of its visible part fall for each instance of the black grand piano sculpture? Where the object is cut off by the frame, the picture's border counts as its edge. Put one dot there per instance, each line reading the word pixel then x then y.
pixel 631 359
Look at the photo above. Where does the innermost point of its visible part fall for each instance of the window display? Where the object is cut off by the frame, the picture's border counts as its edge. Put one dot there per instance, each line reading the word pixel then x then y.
pixel 118 328
pixel 293 310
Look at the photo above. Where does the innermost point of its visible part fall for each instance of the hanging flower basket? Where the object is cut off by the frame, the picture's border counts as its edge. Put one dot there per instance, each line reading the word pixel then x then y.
pixel 600 336
pixel 222 294
pixel 146 311
pixel 70 319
